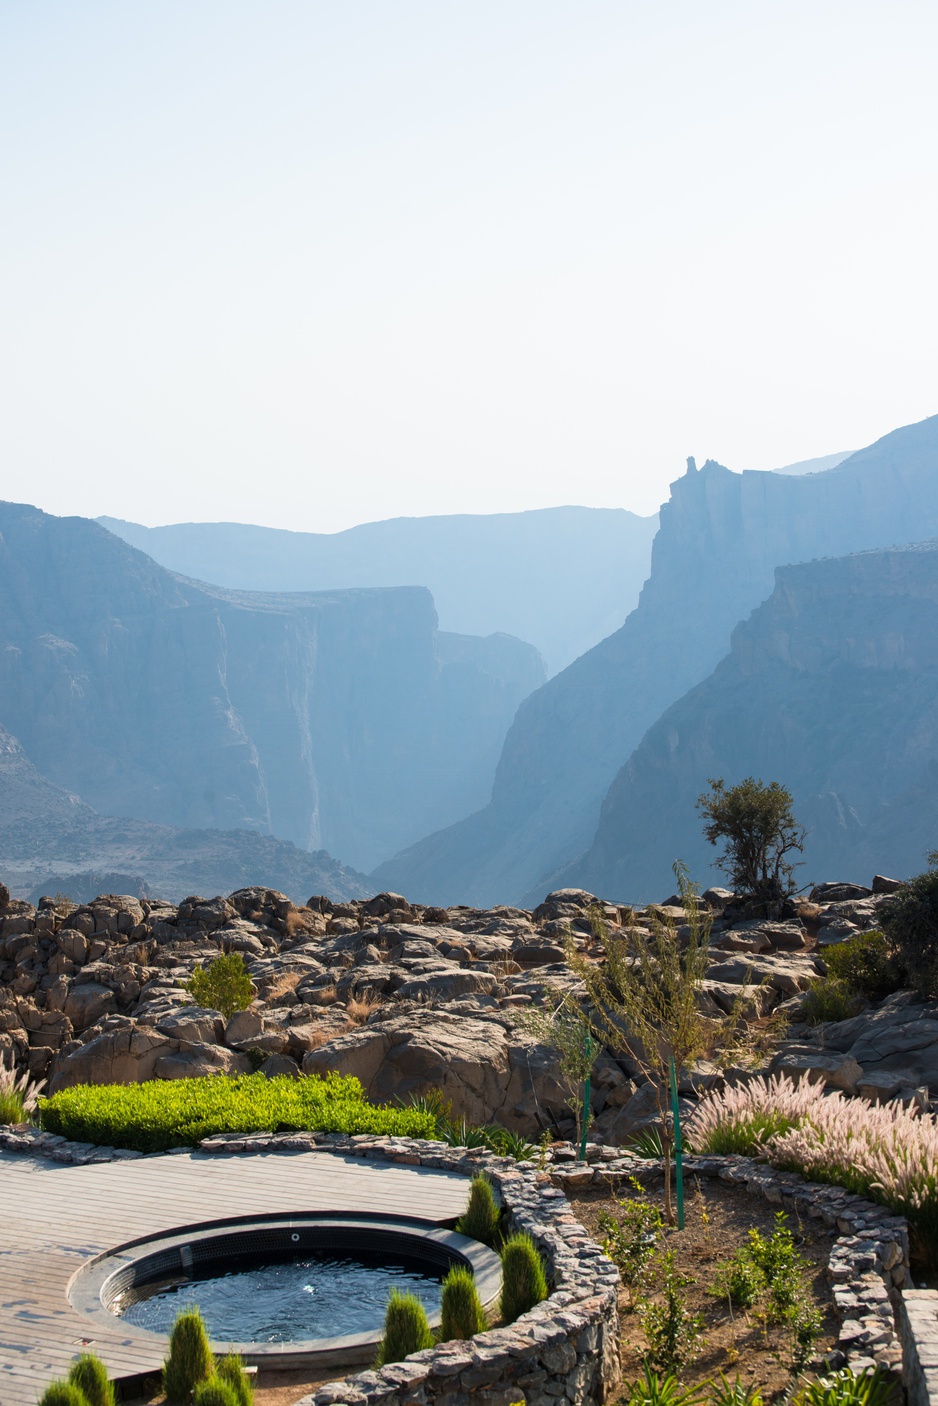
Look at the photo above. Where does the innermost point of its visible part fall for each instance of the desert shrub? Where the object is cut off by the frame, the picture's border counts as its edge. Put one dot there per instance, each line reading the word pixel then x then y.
pixel 231 1370
pixel 223 985
pixel 830 998
pixel 759 832
pixel 160 1114
pixel 524 1282
pixel 18 1094
pixel 846 1388
pixel 769 1271
pixel 504 1143
pixel 462 1313
pixel 630 1238
pixel 867 964
pixel 214 1392
pixel 673 1332
pixel 647 1143
pixel 652 1390
pixel 63 1394
pixel 406 1329
pixel 190 1359
pixel 481 1218
pixel 89 1374
pixel 910 922
pixel 740 1280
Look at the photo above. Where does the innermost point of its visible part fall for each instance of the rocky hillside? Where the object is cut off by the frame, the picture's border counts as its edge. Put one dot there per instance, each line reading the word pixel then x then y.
pixel 51 840
pixel 721 537
pixel 515 573
pixel 412 999
pixel 831 687
pixel 340 721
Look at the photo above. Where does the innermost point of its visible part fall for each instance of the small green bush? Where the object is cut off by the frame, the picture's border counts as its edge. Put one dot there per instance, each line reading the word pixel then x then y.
pixel 190 1359
pixel 159 1114
pixel 830 998
pixel 89 1374
pixel 463 1315
pixel 846 1388
pixel 910 922
pixel 63 1394
pixel 224 985
pixel 231 1370
pixel 727 1393
pixel 739 1280
pixel 866 963
pixel 481 1217
pixel 214 1392
pixel 630 1238
pixel 524 1282
pixel 674 1334
pixel 652 1390
pixel 406 1329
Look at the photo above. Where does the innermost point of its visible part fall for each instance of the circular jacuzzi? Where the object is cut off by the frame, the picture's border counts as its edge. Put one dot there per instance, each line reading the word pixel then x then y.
pixel 282 1291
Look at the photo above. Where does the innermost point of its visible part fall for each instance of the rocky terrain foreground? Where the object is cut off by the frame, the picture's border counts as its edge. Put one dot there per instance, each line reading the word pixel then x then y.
pixel 412 999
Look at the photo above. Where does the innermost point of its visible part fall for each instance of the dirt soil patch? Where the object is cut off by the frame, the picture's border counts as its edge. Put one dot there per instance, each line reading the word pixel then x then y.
pixel 717 1221
pixel 270 1388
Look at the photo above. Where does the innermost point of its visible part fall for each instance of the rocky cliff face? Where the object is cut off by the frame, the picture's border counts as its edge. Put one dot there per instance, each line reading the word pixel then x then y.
pixel 338 721
pixel 720 539
pixel 831 687
pixel 520 573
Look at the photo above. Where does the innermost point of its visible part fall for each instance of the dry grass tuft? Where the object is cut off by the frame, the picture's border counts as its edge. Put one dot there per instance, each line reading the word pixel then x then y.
pixel 280 985
pixel 359 1008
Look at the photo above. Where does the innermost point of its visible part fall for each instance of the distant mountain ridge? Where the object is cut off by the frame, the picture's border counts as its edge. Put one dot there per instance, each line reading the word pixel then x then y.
pixel 560 578
pixel 713 561
pixel 341 721
pixel 831 687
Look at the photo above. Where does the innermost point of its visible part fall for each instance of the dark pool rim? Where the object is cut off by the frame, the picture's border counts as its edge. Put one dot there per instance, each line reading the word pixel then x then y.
pixel 101 1281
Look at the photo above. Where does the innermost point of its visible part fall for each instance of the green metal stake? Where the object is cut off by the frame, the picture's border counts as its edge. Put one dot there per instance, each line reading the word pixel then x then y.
pixel 586 1100
pixel 678 1151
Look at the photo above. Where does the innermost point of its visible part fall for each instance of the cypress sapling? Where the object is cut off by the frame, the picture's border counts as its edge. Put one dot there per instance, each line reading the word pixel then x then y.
pixel 89 1374
pixel 463 1314
pixel 523 1280
pixel 231 1370
pixel 480 1221
pixel 190 1359
pixel 406 1329
pixel 63 1394
pixel 214 1392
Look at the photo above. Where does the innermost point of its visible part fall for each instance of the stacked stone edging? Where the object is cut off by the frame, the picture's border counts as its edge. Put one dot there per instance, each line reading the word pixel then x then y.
pixel 567 1347
pixel 918 1323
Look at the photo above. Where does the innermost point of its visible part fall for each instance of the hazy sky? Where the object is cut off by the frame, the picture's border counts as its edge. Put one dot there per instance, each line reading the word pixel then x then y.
pixel 307 264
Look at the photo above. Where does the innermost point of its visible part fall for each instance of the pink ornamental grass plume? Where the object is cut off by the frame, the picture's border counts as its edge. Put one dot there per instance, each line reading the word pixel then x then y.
pixel 744 1117
pixel 18 1094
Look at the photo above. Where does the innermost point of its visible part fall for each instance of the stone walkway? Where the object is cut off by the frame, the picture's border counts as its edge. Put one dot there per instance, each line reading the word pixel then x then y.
pixel 54 1217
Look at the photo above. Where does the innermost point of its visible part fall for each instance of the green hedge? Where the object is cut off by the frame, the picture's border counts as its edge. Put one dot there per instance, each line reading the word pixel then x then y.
pixel 157 1115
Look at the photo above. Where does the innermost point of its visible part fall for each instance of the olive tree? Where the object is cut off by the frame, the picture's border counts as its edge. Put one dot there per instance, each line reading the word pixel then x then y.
pixel 759 832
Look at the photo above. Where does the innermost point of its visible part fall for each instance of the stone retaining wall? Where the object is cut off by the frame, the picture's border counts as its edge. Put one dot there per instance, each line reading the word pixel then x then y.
pixel 566 1349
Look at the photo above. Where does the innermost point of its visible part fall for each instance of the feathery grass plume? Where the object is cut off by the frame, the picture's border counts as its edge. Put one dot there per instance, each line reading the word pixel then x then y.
pixel 89 1374
pixel 190 1359
pixel 214 1392
pixel 524 1282
pixel 231 1370
pixel 463 1314
pixel 481 1217
pixel 406 1329
pixel 744 1117
pixel 63 1394
pixel 18 1094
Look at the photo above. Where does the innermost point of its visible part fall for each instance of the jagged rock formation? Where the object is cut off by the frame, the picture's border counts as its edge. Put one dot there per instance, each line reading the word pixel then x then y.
pixel 832 688
pixel 50 839
pixel 721 537
pixel 517 573
pixel 339 721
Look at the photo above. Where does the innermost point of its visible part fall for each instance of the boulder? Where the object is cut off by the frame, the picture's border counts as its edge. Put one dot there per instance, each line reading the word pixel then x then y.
pixel 195 1061
pixel 243 1028
pixel 277 1066
pixel 883 885
pixel 838 1071
pixel 448 985
pixel 838 892
pixel 124 1056
pixel 86 1003
pixel 194 1024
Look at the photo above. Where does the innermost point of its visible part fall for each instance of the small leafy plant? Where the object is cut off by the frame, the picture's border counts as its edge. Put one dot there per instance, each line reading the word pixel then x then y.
pixel 652 1390
pixel 727 1393
pixel 846 1388
pixel 674 1334
pixel 231 1370
pixel 867 964
pixel 630 1239
pixel 224 985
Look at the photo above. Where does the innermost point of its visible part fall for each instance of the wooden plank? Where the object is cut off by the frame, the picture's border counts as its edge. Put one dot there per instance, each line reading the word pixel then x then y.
pixel 54 1217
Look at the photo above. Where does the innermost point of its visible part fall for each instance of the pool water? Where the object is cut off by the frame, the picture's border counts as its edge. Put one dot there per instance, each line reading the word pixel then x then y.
pixel 319 1296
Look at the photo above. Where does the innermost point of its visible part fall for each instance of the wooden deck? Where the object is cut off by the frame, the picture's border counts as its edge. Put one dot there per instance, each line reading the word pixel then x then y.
pixel 54 1217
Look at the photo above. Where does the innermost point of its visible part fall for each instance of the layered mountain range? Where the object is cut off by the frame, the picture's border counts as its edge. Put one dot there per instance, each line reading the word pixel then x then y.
pixel 713 561
pixel 342 721
pixel 561 578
